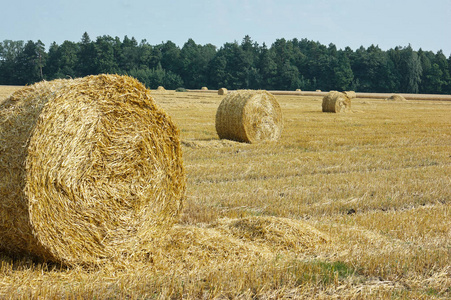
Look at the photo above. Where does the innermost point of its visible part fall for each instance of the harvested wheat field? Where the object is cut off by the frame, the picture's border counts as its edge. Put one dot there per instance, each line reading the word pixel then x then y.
pixel 341 206
pixel 7 90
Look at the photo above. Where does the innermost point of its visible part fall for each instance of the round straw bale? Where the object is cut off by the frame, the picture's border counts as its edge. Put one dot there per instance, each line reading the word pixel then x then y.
pixel 89 168
pixel 204 88
pixel 298 90
pixel 350 94
pixel 336 102
pixel 396 97
pixel 249 116
pixel 222 91
pixel 318 91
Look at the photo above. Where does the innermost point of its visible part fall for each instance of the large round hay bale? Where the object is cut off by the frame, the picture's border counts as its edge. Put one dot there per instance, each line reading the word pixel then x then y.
pixel 161 89
pixel 89 168
pixel 222 91
pixel 249 116
pixel 204 88
pixel 396 97
pixel 336 102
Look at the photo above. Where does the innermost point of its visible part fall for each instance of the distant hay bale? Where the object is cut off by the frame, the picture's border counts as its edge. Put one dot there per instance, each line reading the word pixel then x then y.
pixel 249 116
pixel 298 90
pixel 336 102
pixel 318 90
pixel 89 168
pixel 161 89
pixel 204 88
pixel 350 94
pixel 396 97
pixel 222 91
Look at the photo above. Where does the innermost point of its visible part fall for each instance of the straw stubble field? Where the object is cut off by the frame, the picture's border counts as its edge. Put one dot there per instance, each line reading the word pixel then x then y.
pixel 352 205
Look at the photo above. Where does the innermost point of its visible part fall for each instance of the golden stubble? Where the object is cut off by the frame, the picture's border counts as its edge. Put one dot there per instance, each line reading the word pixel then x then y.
pixel 374 182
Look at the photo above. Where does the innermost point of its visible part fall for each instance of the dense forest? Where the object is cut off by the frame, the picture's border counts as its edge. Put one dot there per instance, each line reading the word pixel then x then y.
pixel 285 65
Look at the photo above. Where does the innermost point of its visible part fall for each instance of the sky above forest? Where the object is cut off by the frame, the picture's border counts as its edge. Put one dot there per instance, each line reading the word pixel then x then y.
pixel 353 23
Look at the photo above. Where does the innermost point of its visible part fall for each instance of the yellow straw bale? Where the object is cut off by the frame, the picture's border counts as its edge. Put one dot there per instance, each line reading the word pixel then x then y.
pixel 204 88
pixel 89 168
pixel 222 91
pixel 336 102
pixel 249 116
pixel 396 97
pixel 161 89
pixel 350 94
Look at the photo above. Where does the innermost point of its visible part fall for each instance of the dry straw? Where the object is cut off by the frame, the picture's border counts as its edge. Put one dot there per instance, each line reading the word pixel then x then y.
pixel 278 234
pixel 204 88
pixel 396 97
pixel 336 102
pixel 222 91
pixel 249 116
pixel 231 241
pixel 161 89
pixel 89 168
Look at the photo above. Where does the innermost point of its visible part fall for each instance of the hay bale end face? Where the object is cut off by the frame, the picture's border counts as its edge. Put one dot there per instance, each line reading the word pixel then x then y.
pixel 336 102
pixel 350 94
pixel 222 91
pixel 249 116
pixel 89 168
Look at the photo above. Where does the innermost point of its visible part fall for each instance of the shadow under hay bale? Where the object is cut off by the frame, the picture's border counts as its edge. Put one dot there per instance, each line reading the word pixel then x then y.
pixel 249 116
pixel 89 168
pixel 336 102
pixel 396 97
pixel 222 91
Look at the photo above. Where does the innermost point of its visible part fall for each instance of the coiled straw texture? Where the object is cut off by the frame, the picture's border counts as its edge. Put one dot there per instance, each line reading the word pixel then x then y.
pixel 249 116
pixel 89 169
pixel 336 102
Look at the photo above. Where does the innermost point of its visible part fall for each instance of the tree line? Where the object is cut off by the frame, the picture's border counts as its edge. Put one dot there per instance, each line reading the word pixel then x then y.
pixel 285 65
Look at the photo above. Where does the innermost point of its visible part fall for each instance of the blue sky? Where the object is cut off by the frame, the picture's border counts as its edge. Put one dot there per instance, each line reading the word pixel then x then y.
pixel 353 23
